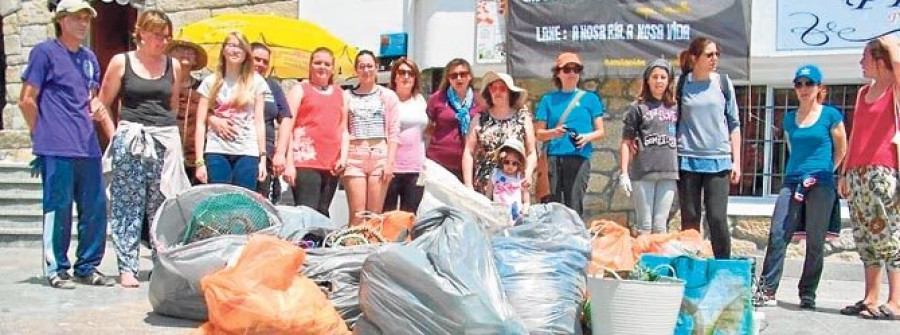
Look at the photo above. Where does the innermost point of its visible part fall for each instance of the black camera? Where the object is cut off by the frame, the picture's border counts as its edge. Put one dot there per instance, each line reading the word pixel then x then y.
pixel 573 135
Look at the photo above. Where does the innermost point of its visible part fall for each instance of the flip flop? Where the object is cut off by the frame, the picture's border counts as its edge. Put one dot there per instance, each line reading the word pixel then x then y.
pixel 883 312
pixel 854 309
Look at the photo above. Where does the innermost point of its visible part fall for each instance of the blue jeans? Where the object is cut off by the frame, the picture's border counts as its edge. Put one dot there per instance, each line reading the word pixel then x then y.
pixel 232 169
pixel 816 214
pixel 67 180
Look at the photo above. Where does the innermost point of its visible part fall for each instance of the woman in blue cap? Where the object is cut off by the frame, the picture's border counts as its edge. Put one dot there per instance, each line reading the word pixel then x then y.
pixel 817 140
pixel 649 127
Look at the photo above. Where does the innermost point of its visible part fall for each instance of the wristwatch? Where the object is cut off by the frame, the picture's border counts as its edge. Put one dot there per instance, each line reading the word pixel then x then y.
pixel 199 162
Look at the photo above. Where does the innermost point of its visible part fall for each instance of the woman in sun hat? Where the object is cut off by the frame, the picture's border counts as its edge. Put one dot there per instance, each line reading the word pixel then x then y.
pixel 504 118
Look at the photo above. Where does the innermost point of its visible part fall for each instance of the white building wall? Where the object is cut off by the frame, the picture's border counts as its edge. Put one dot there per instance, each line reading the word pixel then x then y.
pixel 439 30
pixel 361 22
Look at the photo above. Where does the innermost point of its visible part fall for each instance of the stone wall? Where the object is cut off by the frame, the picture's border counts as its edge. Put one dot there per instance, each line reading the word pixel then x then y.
pixel 27 23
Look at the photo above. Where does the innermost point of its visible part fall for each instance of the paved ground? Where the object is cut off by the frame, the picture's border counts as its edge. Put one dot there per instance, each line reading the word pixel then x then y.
pixel 29 306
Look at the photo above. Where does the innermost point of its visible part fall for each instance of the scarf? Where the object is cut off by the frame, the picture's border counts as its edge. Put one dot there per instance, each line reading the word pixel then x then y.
pixel 462 109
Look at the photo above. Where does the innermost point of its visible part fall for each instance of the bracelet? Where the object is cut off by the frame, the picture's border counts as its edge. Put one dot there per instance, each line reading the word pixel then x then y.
pixel 199 162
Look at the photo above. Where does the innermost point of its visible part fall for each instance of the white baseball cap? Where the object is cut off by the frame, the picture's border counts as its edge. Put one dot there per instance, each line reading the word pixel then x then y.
pixel 73 6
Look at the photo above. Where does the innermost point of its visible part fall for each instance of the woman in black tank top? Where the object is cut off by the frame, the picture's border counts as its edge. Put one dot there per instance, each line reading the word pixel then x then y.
pixel 145 80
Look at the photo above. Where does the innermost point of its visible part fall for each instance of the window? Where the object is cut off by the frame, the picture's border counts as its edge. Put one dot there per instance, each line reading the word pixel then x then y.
pixel 764 150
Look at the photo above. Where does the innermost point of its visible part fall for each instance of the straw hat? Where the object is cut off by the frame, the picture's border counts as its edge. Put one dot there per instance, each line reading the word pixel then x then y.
pixel 491 76
pixel 201 54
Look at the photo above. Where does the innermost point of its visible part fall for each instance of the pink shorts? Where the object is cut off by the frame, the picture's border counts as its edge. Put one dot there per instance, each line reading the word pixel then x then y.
pixel 366 158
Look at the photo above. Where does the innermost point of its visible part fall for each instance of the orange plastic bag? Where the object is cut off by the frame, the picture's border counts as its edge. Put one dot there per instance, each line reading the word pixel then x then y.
pixel 652 244
pixel 263 294
pixel 612 248
pixel 392 224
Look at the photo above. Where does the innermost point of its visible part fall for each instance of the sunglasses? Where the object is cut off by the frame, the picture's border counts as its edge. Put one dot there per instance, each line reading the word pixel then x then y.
pixel 459 75
pixel 365 67
pixel 498 88
pixel 509 162
pixel 261 60
pixel 801 83
pixel 405 73
pixel 713 53
pixel 571 69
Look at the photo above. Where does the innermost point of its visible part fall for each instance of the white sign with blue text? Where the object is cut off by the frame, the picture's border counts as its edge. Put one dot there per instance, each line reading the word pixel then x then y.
pixel 834 24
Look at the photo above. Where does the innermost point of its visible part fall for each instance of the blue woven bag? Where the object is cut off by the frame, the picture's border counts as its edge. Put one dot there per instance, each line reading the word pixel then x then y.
pixel 717 293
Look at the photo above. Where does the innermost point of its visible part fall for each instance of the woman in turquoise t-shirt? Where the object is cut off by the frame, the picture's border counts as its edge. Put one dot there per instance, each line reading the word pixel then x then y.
pixel 568 143
pixel 816 137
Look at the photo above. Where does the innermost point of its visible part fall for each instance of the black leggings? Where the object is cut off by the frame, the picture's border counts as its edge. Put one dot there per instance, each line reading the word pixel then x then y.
pixel 568 177
pixel 714 188
pixel 314 189
pixel 403 190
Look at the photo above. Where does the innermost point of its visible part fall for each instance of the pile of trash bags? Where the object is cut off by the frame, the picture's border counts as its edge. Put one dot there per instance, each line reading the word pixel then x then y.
pixel 458 266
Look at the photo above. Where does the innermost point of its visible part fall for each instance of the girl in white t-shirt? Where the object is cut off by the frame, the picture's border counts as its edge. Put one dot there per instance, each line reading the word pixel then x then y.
pixel 237 93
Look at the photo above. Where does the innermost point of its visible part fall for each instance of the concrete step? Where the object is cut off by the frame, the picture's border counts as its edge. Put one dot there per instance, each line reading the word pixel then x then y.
pixel 20 205
pixel 21 192
pixel 16 171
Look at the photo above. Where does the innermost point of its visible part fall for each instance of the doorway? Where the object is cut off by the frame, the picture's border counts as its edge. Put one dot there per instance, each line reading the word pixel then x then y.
pixel 111 35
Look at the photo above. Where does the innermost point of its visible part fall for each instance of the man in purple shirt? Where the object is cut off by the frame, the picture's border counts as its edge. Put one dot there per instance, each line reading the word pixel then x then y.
pixel 59 104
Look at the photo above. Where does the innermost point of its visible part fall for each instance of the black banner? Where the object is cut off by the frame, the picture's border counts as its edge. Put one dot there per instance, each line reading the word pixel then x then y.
pixel 616 38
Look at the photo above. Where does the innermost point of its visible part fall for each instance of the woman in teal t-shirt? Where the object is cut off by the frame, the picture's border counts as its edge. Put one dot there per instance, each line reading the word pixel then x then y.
pixel 816 137
pixel 568 143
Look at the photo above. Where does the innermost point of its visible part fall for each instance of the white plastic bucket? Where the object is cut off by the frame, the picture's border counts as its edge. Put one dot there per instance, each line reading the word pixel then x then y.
pixel 627 307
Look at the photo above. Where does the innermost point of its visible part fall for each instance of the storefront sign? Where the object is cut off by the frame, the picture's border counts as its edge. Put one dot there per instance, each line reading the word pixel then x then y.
pixel 830 25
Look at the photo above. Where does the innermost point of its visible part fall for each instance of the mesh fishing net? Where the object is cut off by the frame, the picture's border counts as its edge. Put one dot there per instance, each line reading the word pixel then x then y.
pixel 358 235
pixel 226 214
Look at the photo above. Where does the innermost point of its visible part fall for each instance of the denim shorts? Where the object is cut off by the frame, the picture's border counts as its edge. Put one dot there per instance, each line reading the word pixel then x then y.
pixel 366 158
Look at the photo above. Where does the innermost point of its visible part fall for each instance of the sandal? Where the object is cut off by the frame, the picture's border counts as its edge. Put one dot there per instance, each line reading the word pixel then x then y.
pixel 883 312
pixel 854 309
pixel 57 282
pixel 95 279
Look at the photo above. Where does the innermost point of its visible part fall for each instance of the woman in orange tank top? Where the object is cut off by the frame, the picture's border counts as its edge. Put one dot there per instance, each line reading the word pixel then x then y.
pixel 309 151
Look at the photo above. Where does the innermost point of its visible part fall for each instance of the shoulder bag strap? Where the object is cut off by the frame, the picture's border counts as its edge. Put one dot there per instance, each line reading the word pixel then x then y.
pixel 570 107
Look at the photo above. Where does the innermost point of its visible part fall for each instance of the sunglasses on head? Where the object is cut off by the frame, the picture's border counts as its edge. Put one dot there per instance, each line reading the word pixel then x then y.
pixel 405 73
pixel 713 53
pixel 801 83
pixel 511 162
pixel 571 69
pixel 459 75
